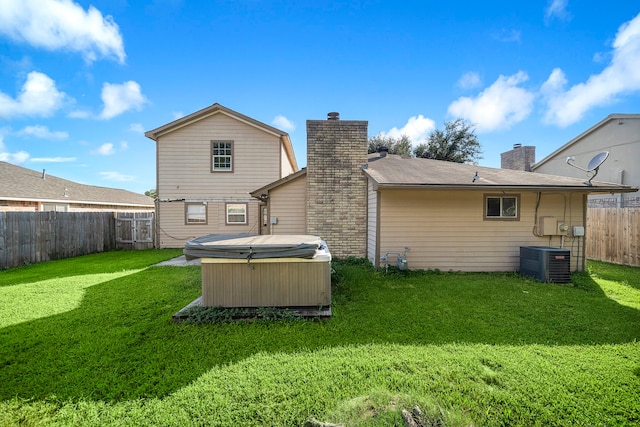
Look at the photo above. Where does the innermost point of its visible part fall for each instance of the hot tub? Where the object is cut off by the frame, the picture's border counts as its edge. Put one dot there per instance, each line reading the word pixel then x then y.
pixel 263 271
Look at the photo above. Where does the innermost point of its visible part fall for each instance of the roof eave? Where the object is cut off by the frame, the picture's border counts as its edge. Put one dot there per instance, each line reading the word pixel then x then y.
pixel 216 108
pixel 288 148
pixel 495 187
pixel 265 189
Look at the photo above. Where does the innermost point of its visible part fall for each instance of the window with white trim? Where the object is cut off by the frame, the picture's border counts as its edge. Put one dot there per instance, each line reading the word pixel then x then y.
pixel 505 206
pixel 195 213
pixel 236 213
pixel 222 156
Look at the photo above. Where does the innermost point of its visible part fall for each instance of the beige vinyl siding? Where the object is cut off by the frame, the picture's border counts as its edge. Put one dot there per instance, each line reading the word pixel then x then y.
pixel 184 160
pixel 174 233
pixel 372 218
pixel 288 203
pixel 446 229
pixel 286 168
pixel 621 138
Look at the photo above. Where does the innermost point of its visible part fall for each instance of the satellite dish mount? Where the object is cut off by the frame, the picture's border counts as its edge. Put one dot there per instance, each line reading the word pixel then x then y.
pixel 592 167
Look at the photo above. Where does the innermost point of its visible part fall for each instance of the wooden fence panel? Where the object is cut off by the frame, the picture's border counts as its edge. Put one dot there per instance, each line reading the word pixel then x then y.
pixel 613 235
pixel 30 237
pixel 134 230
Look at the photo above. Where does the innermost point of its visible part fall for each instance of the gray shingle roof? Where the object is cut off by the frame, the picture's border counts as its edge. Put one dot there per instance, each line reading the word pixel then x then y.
pixel 395 171
pixel 18 183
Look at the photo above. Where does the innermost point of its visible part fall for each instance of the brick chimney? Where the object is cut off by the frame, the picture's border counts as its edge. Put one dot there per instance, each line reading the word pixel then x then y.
pixel 519 158
pixel 336 185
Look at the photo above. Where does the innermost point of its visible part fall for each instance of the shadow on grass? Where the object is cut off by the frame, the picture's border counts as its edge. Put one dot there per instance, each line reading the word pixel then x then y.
pixel 121 343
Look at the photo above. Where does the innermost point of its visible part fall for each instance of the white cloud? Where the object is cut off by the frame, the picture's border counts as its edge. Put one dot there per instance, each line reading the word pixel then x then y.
pixel 416 129
pixel 16 158
pixel 38 97
pixel 42 132
pixel 469 80
pixel 556 9
pixel 119 98
pixel 106 149
pixel 620 77
pixel 281 122
pixel 497 107
pixel 136 127
pixel 53 159
pixel 117 176
pixel 62 25
pixel 79 114
pixel 177 115
pixel 124 145
pixel 507 36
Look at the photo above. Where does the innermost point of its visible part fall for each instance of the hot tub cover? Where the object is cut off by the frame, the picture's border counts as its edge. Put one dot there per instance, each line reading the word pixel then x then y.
pixel 251 246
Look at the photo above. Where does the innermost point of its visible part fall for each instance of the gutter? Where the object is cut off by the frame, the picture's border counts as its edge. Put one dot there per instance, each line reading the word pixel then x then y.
pixel 494 187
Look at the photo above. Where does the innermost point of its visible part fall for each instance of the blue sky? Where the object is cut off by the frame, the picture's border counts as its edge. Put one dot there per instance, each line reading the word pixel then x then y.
pixel 81 81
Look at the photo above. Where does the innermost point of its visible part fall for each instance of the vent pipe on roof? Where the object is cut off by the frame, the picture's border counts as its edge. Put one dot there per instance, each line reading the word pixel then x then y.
pixel 333 116
pixel 517 146
pixel 383 151
pixel 44 175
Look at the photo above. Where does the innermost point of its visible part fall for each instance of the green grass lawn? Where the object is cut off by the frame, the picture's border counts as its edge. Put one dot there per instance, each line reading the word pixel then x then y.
pixel 90 341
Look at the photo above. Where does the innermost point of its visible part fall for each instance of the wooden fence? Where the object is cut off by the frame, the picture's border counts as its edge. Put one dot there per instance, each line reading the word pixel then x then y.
pixel 30 237
pixel 134 230
pixel 613 235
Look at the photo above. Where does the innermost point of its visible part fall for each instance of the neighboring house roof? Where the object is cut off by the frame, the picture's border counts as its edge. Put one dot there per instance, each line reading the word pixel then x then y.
pixel 396 172
pixel 609 118
pixel 22 184
pixel 219 109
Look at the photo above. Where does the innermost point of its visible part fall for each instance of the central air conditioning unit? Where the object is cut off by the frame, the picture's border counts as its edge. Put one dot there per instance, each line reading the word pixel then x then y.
pixel 545 263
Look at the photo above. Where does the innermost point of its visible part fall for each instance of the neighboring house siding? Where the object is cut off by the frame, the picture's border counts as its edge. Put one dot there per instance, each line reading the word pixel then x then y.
pixel 621 138
pixel 372 227
pixel 446 230
pixel 288 203
pixel 25 206
pixel 184 160
pixel 175 233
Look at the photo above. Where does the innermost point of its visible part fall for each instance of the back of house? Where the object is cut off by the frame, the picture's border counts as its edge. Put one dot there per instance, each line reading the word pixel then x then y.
pixel 207 163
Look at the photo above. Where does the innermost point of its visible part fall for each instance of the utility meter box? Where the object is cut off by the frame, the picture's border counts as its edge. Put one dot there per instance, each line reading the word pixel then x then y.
pixel 563 229
pixel 548 226
pixel 577 231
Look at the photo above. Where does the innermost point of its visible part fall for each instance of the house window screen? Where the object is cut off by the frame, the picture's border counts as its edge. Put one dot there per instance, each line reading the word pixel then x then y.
pixel 501 207
pixel 222 156
pixel 196 213
pixel 236 213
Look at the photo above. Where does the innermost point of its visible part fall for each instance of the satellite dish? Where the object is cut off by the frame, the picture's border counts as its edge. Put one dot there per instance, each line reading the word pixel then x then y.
pixel 592 167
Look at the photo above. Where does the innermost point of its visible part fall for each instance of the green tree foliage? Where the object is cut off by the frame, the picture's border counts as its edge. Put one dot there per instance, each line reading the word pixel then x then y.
pixel 151 193
pixel 400 146
pixel 456 143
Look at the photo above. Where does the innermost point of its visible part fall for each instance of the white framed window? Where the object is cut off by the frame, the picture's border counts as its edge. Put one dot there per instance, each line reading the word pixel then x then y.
pixel 236 213
pixel 222 156
pixel 195 213
pixel 503 206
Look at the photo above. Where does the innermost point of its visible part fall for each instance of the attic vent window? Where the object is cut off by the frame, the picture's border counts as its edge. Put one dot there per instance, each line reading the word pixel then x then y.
pixel 222 156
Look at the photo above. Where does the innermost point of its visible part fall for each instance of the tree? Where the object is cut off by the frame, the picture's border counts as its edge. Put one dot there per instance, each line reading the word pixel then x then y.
pixel 456 143
pixel 151 193
pixel 400 146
